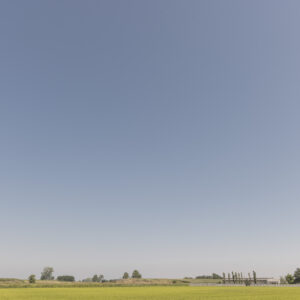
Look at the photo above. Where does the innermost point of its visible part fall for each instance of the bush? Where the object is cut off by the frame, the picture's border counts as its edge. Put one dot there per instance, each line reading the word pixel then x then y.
pixel 247 282
pixel 68 278
pixel 31 278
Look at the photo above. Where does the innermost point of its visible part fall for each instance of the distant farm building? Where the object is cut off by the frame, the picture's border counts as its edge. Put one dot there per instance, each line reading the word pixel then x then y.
pixel 258 281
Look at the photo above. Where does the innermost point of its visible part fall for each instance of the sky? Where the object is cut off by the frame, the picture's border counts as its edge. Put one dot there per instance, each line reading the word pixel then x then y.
pixel 155 135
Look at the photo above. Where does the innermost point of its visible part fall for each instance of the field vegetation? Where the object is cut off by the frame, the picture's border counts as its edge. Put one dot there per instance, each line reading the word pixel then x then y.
pixel 153 293
pixel 17 283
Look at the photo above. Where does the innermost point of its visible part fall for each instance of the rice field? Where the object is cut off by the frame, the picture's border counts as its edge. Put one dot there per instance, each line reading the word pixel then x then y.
pixel 153 293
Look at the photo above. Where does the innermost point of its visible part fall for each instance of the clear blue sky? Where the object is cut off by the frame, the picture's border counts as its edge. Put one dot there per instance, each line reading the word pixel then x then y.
pixel 157 135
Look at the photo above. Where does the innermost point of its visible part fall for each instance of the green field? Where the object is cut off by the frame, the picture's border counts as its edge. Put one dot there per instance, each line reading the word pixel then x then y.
pixel 152 292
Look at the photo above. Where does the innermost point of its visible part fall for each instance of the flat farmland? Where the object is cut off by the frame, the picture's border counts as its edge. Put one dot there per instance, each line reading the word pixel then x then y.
pixel 153 293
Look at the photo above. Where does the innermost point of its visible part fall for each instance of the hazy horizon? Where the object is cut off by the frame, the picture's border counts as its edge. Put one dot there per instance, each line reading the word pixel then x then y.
pixel 161 136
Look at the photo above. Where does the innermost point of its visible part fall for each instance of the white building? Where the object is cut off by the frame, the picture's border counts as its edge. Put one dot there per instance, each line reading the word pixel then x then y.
pixel 273 281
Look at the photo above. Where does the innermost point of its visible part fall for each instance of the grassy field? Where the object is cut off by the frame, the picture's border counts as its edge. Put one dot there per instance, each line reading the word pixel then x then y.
pixel 153 293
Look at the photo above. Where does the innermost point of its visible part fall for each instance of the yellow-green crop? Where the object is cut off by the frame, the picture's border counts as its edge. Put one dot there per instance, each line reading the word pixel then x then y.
pixel 153 293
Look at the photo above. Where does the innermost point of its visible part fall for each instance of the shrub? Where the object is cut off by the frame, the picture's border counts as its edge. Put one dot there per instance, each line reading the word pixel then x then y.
pixel 31 278
pixel 247 282
pixel 68 278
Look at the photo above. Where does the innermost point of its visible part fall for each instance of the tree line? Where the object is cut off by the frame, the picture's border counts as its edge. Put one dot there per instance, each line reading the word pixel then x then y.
pixel 212 276
pixel 233 277
pixel 47 274
pixel 239 278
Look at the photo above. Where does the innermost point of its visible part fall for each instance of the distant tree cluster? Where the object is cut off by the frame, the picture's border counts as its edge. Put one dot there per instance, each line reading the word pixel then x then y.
pixel 95 278
pixel 238 278
pixel 98 278
pixel 212 276
pixel 292 279
pixel 135 274
pixel 232 278
pixel 47 274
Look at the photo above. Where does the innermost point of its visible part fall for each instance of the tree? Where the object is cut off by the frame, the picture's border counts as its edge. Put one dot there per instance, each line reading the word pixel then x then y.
pixel 224 278
pixel 136 274
pixel 97 278
pixel 126 275
pixel 68 278
pixel 233 278
pixel 47 273
pixel 254 277
pixel 283 280
pixel 297 275
pixel 229 278
pixel 31 278
pixel 216 276
pixel 289 278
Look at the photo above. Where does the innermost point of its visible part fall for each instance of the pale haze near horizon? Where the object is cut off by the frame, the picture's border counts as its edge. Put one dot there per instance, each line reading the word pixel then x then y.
pixel 161 136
